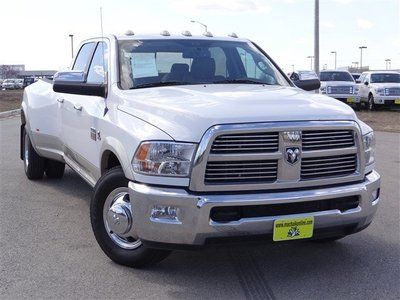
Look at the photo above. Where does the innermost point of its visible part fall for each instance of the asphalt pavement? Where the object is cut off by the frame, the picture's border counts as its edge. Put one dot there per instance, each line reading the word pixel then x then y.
pixel 47 249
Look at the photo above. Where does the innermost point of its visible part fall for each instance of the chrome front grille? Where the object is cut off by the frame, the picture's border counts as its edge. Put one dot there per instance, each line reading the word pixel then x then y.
pixel 328 166
pixel 241 171
pixel 340 90
pixel 260 156
pixel 392 91
pixel 246 143
pixel 327 139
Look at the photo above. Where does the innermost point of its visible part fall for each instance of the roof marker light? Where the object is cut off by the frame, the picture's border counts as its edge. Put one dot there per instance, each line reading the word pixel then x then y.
pixel 234 35
pixel 165 33
pixel 129 32
pixel 186 33
pixel 208 34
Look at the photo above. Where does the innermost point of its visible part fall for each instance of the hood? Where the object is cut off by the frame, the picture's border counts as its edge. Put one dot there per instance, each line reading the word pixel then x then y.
pixel 337 83
pixel 186 112
pixel 385 85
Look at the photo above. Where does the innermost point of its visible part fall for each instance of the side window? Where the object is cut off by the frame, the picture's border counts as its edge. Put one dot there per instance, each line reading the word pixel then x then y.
pixel 99 64
pixel 82 59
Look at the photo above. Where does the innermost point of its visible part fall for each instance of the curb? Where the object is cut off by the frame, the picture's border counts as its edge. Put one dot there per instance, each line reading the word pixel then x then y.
pixel 10 113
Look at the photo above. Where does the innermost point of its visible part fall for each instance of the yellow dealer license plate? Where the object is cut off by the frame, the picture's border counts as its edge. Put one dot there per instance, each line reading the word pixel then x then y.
pixel 351 100
pixel 397 101
pixel 293 229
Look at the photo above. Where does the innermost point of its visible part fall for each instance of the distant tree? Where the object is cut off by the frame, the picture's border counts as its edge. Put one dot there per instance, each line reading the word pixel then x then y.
pixel 7 71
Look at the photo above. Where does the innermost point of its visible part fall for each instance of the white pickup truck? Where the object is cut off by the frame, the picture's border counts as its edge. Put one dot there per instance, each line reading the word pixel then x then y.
pixel 193 140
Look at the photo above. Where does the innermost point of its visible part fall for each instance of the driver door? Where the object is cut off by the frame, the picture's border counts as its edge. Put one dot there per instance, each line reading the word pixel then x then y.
pixel 81 115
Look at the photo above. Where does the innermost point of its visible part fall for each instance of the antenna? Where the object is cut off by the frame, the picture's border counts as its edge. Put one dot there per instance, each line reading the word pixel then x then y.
pixel 104 63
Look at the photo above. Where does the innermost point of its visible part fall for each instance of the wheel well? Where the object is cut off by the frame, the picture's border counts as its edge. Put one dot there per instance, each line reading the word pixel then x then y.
pixel 108 161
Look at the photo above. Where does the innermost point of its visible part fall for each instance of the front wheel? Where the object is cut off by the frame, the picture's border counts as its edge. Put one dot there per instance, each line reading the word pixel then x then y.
pixel 371 103
pixel 111 218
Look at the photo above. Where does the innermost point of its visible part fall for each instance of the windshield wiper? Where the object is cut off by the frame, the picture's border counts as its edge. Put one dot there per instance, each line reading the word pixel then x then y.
pixel 156 84
pixel 250 81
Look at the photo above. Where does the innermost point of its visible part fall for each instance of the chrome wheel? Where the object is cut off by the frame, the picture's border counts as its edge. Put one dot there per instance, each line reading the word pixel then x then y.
pixel 26 151
pixel 117 217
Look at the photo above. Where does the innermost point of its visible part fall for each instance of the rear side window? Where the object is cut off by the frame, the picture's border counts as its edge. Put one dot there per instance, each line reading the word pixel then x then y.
pixel 82 60
pixel 99 64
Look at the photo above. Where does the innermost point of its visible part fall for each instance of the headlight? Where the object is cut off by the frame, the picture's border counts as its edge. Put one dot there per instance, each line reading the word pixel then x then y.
pixel 380 92
pixel 323 90
pixel 356 90
pixel 164 158
pixel 369 148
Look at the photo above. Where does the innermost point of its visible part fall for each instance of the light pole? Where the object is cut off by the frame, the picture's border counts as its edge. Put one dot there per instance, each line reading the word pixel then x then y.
pixel 311 58
pixel 334 52
pixel 204 25
pixel 361 49
pixel 72 45
pixel 316 37
pixel 388 62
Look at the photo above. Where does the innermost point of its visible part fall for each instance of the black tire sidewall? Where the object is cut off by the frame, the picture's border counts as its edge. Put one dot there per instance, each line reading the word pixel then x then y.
pixel 371 104
pixel 139 257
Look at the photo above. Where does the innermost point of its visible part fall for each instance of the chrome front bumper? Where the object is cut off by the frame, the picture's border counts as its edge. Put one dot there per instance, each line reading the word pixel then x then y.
pixel 343 97
pixel 193 224
pixel 385 99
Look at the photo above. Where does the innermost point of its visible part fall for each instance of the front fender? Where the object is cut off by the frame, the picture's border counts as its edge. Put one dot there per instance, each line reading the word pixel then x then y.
pixel 117 148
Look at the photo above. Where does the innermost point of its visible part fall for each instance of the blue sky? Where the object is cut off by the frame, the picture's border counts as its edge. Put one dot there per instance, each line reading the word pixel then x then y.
pixel 36 32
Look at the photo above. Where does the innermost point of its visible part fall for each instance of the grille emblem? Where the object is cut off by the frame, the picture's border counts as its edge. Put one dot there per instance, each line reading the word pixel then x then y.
pixel 292 155
pixel 292 136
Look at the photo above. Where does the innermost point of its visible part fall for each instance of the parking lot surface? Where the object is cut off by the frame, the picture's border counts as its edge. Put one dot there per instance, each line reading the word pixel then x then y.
pixel 47 249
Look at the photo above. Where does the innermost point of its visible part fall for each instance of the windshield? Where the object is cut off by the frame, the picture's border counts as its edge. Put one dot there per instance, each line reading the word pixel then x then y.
pixel 148 63
pixel 336 76
pixel 385 77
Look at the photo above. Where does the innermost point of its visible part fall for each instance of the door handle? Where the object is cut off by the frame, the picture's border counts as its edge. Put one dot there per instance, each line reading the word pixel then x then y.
pixel 60 100
pixel 78 107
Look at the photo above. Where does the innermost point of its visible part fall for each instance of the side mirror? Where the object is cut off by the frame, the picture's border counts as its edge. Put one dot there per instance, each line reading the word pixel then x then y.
pixel 74 82
pixel 366 83
pixel 308 84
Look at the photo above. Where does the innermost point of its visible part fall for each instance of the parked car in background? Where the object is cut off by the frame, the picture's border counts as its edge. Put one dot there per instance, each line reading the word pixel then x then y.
pixel 10 84
pixel 341 86
pixel 1 83
pixel 19 83
pixel 356 76
pixel 380 88
pixel 28 81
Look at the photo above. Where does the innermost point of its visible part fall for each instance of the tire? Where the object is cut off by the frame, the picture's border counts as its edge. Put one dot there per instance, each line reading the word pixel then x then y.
pixel 33 163
pixel 371 104
pixel 125 250
pixel 358 106
pixel 54 169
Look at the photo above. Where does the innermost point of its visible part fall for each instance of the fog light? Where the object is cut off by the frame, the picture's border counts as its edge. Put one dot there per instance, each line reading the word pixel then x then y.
pixel 375 194
pixel 166 213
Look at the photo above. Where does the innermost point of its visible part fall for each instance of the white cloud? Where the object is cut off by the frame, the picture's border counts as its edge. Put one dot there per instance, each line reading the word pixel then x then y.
pixel 364 24
pixel 220 7
pixel 328 24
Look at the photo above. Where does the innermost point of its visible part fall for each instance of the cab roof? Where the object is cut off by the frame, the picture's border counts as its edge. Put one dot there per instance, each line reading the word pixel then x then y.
pixel 178 37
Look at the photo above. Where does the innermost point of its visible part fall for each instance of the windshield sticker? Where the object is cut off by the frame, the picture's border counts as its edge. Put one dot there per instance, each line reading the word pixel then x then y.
pixel 143 65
